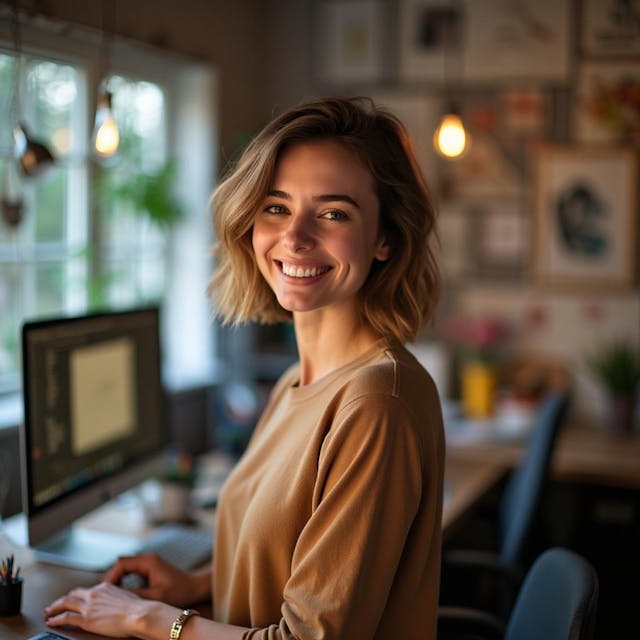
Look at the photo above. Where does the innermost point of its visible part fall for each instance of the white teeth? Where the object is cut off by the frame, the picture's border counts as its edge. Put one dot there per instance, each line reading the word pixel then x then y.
pixel 299 272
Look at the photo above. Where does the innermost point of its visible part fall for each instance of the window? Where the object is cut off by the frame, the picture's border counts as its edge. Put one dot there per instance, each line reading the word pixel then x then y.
pixel 104 235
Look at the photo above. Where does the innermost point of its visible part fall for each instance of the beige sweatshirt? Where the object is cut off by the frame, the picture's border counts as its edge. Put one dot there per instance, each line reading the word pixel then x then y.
pixel 330 525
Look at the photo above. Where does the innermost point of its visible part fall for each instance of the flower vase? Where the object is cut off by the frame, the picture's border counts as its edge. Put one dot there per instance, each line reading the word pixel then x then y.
pixel 478 388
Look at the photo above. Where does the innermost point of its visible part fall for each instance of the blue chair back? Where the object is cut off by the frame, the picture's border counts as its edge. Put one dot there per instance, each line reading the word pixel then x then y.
pixel 557 601
pixel 522 494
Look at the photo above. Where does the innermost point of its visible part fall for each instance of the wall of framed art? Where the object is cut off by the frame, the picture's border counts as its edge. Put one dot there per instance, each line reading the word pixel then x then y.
pixel 542 208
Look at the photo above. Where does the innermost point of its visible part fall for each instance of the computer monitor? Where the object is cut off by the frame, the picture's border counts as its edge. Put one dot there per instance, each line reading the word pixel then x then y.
pixel 93 428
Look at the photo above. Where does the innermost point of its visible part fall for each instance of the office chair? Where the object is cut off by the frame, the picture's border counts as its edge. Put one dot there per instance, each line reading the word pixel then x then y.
pixel 558 601
pixel 490 579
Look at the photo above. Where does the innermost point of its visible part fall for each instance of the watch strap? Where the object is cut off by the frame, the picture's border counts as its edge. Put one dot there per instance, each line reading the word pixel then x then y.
pixel 180 621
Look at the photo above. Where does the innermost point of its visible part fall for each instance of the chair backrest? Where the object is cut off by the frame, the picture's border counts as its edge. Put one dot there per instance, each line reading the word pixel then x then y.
pixel 522 494
pixel 557 601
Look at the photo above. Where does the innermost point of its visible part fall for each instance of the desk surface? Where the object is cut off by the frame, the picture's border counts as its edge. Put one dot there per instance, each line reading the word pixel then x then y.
pixel 584 454
pixel 466 482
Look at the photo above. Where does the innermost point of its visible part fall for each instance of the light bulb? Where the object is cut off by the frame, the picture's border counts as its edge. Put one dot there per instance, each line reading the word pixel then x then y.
pixel 450 138
pixel 106 135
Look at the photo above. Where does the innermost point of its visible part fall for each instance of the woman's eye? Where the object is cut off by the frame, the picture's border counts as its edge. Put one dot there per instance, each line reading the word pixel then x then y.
pixel 335 214
pixel 275 208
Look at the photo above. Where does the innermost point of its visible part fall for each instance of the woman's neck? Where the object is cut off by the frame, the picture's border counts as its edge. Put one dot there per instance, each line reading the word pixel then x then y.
pixel 327 341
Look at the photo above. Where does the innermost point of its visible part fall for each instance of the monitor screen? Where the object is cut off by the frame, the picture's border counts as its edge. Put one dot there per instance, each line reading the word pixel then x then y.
pixel 94 414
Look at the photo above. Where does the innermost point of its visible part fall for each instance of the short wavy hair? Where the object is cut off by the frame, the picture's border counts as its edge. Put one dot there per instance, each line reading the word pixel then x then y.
pixel 400 294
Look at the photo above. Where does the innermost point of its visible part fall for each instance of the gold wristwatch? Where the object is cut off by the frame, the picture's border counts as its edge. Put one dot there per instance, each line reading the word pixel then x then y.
pixel 180 621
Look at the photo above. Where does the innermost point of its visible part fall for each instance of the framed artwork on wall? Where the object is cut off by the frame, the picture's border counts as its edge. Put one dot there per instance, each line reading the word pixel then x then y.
pixel 431 33
pixel 585 206
pixel 607 105
pixel 501 232
pixel 453 233
pixel 529 40
pixel 351 41
pixel 610 28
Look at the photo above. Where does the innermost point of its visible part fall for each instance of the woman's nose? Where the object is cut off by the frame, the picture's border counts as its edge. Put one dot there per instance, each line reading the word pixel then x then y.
pixel 298 235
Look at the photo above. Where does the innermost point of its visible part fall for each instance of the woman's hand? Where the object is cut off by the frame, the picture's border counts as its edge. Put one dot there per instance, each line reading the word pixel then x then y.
pixel 162 580
pixel 103 609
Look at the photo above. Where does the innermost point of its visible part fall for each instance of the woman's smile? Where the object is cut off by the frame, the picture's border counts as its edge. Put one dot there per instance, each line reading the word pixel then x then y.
pixel 301 272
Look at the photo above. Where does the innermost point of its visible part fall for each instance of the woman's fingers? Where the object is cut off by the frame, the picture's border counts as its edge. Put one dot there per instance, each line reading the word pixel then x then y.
pixel 72 601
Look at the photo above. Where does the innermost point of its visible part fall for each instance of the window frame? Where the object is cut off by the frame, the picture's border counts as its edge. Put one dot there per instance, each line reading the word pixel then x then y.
pixel 190 91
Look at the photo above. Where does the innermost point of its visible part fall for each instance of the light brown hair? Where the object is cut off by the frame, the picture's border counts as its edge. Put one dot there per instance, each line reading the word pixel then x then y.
pixel 400 294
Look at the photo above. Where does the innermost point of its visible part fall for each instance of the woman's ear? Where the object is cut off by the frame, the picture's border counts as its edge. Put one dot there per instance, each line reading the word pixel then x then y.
pixel 383 249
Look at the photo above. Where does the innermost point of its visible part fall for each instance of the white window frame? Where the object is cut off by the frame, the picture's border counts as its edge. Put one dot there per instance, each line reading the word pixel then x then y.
pixel 191 88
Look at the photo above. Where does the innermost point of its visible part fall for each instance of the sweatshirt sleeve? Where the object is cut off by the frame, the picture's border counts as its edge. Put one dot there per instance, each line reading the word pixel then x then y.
pixel 367 492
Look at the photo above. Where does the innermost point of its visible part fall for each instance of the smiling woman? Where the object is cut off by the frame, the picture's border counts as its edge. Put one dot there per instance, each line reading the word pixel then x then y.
pixel 330 524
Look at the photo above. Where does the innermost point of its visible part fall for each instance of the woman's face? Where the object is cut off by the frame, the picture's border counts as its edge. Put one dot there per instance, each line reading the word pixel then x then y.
pixel 317 232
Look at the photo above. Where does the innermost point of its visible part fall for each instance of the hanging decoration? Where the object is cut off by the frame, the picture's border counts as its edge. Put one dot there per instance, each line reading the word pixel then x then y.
pixel 30 157
pixel 106 137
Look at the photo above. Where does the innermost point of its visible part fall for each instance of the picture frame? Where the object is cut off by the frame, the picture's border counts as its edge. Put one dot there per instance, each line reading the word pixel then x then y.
pixel 430 41
pixel 530 41
pixel 605 111
pixel 610 28
pixel 501 230
pixel 585 209
pixel 453 235
pixel 351 42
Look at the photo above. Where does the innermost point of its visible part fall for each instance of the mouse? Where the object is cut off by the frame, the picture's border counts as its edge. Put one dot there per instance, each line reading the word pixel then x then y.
pixel 133 580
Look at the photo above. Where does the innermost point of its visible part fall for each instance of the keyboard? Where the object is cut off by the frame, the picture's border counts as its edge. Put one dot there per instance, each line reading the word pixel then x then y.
pixel 184 546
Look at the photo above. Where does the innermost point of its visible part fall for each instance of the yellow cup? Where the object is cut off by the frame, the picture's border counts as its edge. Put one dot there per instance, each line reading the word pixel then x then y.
pixel 478 380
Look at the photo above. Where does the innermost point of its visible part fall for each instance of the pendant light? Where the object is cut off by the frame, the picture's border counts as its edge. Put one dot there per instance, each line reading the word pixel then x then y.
pixel 33 156
pixel 106 137
pixel 450 138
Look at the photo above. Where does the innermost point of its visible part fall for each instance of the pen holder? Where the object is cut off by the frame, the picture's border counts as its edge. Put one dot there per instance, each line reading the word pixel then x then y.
pixel 10 597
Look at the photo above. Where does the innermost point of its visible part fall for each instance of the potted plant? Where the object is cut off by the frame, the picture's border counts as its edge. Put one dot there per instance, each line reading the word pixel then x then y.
pixel 616 366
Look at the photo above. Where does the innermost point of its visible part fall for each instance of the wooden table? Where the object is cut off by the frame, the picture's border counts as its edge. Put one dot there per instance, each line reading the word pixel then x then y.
pixel 467 480
pixel 584 454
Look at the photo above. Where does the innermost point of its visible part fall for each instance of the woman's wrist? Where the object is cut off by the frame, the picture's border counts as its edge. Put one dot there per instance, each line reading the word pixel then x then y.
pixel 152 620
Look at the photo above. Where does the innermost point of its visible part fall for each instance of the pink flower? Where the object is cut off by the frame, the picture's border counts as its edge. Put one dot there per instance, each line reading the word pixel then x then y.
pixel 479 337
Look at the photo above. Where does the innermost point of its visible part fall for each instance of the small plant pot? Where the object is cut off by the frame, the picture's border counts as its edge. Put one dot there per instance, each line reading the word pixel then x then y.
pixel 10 598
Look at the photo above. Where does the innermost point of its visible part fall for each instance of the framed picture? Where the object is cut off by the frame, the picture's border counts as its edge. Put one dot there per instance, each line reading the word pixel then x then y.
pixel 453 233
pixel 501 232
pixel 585 205
pixel 607 108
pixel 507 40
pixel 431 34
pixel 611 28
pixel 351 43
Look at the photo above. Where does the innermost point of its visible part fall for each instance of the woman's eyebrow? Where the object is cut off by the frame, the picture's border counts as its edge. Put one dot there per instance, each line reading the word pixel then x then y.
pixel 325 197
